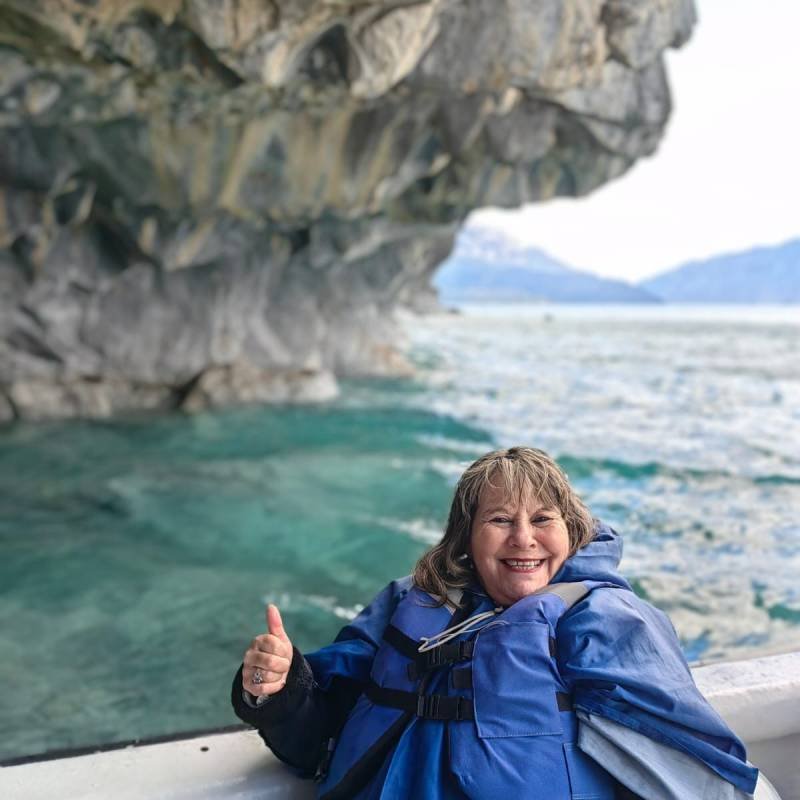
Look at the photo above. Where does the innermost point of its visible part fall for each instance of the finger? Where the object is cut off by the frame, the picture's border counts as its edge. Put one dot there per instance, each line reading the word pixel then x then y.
pixel 267 676
pixel 269 643
pixel 269 684
pixel 275 623
pixel 257 659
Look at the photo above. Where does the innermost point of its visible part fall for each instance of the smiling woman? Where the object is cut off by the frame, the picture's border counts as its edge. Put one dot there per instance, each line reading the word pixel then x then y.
pixel 517 547
pixel 520 507
pixel 515 660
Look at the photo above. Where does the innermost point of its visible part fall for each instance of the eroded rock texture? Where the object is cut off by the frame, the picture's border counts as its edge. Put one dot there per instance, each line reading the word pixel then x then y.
pixel 211 201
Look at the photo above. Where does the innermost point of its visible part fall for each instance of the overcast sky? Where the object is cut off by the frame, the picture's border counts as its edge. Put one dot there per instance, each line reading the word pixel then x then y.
pixel 727 174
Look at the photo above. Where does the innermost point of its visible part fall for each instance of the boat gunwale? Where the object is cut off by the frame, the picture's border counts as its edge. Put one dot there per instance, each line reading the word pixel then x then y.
pixel 142 741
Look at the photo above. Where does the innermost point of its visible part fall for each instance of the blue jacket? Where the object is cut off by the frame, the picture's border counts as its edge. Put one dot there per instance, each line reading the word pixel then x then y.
pixel 617 656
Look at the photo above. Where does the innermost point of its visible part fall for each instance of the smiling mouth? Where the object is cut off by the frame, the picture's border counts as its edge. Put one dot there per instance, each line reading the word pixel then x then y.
pixel 523 565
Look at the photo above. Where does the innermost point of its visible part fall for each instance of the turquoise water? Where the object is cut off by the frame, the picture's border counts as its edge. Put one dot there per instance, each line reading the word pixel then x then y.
pixel 136 556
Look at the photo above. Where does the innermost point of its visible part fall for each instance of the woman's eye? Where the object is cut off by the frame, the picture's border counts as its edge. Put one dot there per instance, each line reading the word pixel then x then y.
pixel 541 520
pixel 501 519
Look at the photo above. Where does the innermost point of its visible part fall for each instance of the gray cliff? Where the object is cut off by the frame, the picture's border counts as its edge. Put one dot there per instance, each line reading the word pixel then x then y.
pixel 214 201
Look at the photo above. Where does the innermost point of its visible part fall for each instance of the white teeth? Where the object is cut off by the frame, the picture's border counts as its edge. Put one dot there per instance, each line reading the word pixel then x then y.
pixel 516 563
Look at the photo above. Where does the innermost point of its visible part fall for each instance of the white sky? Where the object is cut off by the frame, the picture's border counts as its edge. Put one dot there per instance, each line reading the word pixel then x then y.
pixel 727 174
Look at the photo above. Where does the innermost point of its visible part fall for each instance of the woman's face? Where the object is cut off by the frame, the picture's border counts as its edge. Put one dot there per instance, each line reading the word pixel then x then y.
pixel 517 545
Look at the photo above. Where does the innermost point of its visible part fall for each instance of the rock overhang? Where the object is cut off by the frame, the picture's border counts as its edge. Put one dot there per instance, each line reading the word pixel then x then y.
pixel 207 202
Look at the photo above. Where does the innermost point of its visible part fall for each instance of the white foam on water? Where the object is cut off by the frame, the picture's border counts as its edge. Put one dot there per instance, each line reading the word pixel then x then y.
pixel 694 394
pixel 438 442
pixel 450 470
pixel 287 601
pixel 420 530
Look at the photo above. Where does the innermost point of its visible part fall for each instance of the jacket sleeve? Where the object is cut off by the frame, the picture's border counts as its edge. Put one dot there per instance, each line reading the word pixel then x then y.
pixel 621 659
pixel 321 688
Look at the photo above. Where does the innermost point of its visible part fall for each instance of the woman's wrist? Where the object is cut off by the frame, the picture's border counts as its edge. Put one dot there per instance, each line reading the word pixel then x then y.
pixel 300 681
pixel 254 701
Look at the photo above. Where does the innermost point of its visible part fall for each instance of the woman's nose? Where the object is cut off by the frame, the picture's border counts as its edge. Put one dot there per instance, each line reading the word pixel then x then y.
pixel 523 533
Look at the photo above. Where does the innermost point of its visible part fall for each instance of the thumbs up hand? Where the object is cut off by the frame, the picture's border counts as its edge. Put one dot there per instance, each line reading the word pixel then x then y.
pixel 267 660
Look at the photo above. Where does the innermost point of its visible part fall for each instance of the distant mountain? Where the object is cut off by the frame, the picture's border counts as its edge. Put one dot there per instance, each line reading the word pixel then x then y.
pixel 760 275
pixel 485 266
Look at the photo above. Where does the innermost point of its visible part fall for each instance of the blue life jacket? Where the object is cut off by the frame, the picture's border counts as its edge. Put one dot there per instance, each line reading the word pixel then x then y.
pixel 509 717
pixel 487 731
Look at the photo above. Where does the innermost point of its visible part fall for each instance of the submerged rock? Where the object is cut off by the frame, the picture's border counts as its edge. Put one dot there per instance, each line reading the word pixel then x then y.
pixel 205 202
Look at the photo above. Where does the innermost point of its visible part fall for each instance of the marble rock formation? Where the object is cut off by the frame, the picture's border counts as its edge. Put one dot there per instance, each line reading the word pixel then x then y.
pixel 215 201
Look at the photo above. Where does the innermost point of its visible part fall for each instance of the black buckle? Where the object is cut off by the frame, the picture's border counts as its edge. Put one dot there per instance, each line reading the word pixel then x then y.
pixel 436 657
pixel 443 707
pixel 427 706
pixel 450 653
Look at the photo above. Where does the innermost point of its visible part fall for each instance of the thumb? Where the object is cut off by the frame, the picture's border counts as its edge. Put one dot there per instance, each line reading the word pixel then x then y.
pixel 275 623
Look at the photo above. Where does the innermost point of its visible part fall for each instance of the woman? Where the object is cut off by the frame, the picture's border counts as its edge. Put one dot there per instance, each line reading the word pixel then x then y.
pixel 514 660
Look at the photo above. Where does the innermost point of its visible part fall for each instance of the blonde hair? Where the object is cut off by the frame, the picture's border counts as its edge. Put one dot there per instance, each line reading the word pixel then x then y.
pixel 521 472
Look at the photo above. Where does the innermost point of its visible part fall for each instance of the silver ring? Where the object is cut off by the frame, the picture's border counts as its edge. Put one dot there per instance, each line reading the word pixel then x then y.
pixel 257 676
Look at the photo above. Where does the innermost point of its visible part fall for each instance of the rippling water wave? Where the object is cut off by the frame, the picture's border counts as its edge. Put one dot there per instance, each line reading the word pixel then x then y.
pixel 136 556
pixel 680 427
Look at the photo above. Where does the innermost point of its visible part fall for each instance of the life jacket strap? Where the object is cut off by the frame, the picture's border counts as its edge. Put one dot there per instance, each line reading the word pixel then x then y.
pixel 461 678
pixel 564 701
pixel 426 706
pixel 438 706
pixel 448 653
pixel 402 643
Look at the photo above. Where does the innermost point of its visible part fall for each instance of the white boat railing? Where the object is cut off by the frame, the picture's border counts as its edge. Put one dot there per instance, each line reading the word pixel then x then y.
pixel 759 698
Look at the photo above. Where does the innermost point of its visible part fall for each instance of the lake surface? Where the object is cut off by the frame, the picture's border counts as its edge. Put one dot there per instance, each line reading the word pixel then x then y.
pixel 136 556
